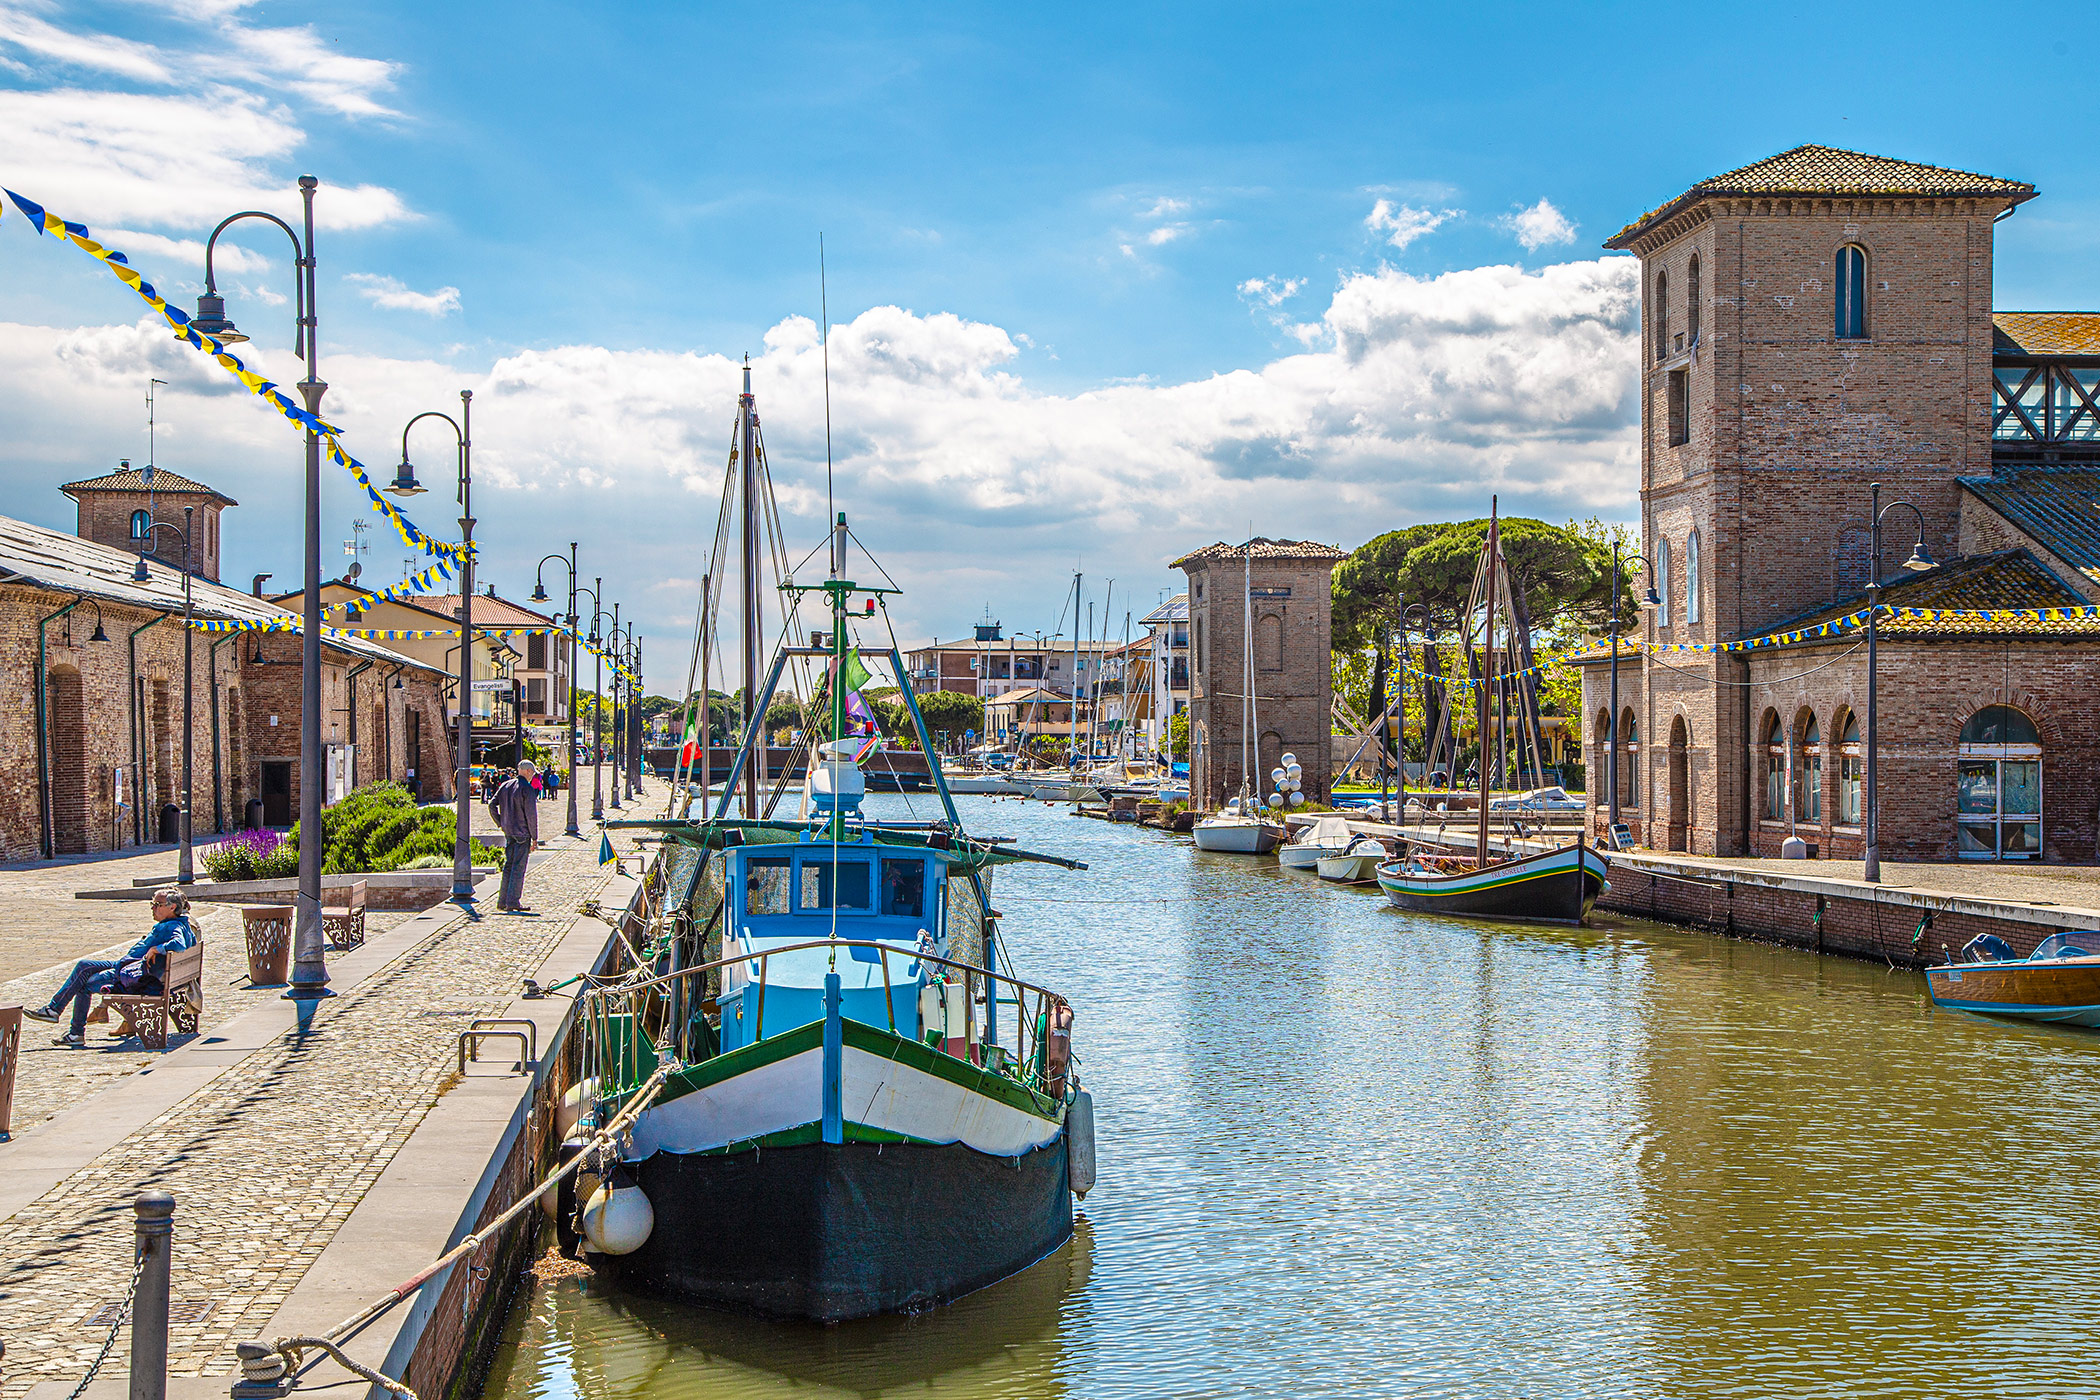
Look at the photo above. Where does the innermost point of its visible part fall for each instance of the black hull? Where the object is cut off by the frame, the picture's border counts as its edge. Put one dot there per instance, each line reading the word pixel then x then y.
pixel 1556 896
pixel 831 1232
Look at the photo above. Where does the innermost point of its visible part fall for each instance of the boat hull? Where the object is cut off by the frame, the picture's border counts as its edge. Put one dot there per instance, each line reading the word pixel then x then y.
pixel 833 1231
pixel 2061 992
pixel 1236 838
pixel 1350 869
pixel 1293 856
pixel 1557 887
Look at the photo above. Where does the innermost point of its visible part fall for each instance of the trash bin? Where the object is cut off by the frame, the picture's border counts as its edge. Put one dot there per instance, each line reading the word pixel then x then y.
pixel 269 932
pixel 170 824
pixel 251 816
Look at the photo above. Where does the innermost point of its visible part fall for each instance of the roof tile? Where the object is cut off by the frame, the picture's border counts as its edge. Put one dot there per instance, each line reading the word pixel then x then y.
pixel 133 479
pixel 2046 332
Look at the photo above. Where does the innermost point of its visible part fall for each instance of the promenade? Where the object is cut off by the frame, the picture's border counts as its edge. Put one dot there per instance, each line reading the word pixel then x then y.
pixel 269 1126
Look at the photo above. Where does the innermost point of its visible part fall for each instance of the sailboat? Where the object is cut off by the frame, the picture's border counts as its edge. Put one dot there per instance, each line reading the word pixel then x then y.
pixel 1239 828
pixel 1555 885
pixel 847 1106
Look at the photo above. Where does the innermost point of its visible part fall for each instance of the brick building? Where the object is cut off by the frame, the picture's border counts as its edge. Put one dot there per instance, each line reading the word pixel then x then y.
pixel 94 663
pixel 1289 585
pixel 1813 324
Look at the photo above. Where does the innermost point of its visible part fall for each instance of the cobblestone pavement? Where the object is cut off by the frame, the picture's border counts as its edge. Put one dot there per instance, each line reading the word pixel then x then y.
pixel 269 1159
pixel 2074 886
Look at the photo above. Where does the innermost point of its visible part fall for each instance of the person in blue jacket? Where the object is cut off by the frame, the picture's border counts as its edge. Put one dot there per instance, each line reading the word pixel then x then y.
pixel 137 971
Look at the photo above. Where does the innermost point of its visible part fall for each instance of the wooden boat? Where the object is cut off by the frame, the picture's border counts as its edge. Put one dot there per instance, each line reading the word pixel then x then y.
pixel 1556 886
pixel 2058 982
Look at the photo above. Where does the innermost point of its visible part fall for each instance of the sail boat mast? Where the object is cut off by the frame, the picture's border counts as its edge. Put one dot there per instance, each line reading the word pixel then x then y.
pixel 1487 670
pixel 747 487
pixel 1247 710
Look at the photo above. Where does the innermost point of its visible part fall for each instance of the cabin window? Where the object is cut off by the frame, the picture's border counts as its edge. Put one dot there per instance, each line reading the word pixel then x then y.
pixel 1851 292
pixel 904 888
pixel 766 885
pixel 850 878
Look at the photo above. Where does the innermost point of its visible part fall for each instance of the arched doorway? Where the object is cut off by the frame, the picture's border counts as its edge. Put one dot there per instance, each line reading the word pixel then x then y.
pixel 1998 790
pixel 69 773
pixel 1680 781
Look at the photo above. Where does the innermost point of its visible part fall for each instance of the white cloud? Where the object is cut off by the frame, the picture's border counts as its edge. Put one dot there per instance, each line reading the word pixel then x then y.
pixel 104 53
pixel 390 294
pixel 1539 226
pixel 1165 208
pixel 1402 224
pixel 1271 292
pixel 1166 233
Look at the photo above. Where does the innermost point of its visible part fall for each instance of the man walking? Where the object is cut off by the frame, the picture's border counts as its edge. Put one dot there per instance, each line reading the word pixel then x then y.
pixel 516 808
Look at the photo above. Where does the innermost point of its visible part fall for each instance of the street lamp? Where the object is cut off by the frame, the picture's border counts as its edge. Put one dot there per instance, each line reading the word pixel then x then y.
pixel 185 868
pixel 1648 599
pixel 597 694
pixel 1920 560
pixel 405 484
pixel 612 643
pixel 634 722
pixel 310 949
pixel 539 595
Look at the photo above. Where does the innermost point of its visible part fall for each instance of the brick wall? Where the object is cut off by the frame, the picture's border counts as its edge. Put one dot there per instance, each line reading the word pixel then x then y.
pixel 1293 677
pixel 105 518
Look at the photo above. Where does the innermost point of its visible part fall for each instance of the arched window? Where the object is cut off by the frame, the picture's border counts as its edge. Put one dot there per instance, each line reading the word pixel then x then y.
pixel 1601 774
pixel 1662 583
pixel 1808 771
pixel 1998 794
pixel 1691 578
pixel 1851 284
pixel 1691 310
pixel 1661 309
pixel 141 524
pixel 1852 772
pixel 1775 768
pixel 1629 760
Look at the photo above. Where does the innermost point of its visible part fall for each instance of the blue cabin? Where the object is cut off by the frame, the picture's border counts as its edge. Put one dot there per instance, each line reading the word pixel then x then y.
pixel 788 893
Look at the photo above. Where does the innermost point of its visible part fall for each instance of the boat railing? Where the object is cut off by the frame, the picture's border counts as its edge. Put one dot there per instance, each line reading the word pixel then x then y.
pixel 618 1017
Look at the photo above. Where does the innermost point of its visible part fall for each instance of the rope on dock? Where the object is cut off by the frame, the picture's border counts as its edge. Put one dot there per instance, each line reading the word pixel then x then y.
pixel 270 1362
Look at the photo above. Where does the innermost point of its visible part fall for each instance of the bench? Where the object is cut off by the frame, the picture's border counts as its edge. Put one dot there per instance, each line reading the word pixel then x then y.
pixel 344 924
pixel 147 1015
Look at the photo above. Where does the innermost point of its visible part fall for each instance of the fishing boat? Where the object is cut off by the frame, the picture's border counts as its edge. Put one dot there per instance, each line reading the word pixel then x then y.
pixel 844 1105
pixel 1322 836
pixel 2058 982
pixel 1557 884
pixel 1355 864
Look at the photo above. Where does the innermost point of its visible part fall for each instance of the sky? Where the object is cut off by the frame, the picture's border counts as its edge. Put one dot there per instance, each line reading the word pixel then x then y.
pixel 1105 283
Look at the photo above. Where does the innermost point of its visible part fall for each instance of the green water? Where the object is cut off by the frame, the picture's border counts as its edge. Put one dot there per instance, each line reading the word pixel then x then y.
pixel 1350 1151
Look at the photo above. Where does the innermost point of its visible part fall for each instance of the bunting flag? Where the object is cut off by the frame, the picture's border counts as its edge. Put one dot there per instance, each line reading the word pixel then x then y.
pixel 331 437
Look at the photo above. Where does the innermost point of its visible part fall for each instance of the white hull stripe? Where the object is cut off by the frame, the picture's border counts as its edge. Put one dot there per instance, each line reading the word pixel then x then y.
pixel 874 1092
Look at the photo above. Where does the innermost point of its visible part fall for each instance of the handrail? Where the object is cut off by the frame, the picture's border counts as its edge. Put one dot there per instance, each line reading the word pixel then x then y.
pixel 761 955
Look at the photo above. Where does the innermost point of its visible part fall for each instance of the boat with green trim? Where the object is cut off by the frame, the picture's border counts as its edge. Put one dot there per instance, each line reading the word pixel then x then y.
pixel 1555 886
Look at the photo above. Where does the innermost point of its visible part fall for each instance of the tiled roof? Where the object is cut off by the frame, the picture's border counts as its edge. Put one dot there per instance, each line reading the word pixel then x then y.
pixel 1030 695
pixel 1629 650
pixel 2012 579
pixel 2057 507
pixel 488 612
pixel 2046 332
pixel 133 480
pixel 64 563
pixel 1829 171
pixel 1263 548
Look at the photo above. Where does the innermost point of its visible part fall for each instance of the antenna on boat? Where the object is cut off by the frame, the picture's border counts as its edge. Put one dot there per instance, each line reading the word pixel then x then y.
pixel 838 548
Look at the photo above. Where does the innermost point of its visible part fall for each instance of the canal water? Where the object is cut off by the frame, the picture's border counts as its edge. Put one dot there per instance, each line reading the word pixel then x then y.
pixel 1350 1151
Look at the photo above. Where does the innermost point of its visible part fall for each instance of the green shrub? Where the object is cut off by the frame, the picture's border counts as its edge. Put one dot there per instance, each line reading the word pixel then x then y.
pixel 379 828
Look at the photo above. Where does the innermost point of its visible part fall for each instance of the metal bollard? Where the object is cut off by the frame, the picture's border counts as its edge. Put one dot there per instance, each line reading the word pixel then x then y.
pixel 149 1309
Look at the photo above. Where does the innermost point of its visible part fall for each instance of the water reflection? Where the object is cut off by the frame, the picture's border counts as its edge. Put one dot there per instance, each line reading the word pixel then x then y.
pixel 1347 1151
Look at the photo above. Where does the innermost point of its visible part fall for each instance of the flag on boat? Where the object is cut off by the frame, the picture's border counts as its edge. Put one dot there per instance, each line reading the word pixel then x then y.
pixel 689 748
pixel 854 674
pixel 605 849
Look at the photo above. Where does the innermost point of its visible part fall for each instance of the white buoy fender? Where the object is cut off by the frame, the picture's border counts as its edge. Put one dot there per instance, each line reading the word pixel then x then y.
pixel 569 1111
pixel 1288 759
pixel 618 1219
pixel 1079 1143
pixel 551 1201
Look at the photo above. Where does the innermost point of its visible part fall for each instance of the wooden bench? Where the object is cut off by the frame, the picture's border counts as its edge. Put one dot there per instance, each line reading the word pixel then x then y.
pixel 344 924
pixel 147 1016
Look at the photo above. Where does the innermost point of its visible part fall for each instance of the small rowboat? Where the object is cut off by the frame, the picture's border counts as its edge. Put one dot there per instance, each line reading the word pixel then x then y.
pixel 1355 864
pixel 2059 981
pixel 1556 886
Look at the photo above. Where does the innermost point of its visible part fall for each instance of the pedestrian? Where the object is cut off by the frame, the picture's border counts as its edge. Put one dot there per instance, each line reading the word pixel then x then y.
pixel 516 809
pixel 137 971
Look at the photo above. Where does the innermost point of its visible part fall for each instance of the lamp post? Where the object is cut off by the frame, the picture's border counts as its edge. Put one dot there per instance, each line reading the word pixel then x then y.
pixel 597 695
pixel 310 950
pixel 185 868
pixel 405 484
pixel 612 642
pixel 1920 559
pixel 539 595
pixel 634 724
pixel 1611 756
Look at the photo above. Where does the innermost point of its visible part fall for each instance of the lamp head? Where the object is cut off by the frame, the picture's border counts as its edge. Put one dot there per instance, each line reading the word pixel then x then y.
pixel 100 635
pixel 405 483
pixel 1651 599
pixel 539 589
pixel 211 319
pixel 139 573
pixel 1920 559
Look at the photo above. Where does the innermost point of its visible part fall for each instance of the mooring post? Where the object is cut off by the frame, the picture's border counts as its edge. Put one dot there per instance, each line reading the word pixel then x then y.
pixel 155 1231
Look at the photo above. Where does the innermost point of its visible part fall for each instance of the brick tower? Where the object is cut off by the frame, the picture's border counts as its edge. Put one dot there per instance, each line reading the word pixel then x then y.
pixel 114 509
pixel 1811 323
pixel 1290 584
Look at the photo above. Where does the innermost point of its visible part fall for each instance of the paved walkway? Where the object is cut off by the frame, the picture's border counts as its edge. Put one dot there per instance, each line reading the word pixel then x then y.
pixel 268 1159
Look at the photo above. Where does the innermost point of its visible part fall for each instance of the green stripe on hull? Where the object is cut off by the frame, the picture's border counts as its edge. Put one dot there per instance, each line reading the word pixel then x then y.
pixel 807 1135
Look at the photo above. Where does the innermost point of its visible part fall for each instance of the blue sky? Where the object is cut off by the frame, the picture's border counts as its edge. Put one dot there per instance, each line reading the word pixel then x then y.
pixel 1111 282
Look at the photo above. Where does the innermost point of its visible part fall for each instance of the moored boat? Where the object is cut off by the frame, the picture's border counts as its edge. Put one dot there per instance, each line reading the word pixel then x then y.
pixel 1355 864
pixel 2058 982
pixel 1322 836
pixel 1553 886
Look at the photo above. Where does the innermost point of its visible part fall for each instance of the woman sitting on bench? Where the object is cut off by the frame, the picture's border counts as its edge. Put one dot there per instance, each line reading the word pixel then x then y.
pixel 137 971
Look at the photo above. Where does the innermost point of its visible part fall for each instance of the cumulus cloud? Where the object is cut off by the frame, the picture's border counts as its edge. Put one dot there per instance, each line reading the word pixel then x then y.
pixel 1539 226
pixel 390 294
pixel 1271 291
pixel 1166 233
pixel 1412 398
pixel 1402 224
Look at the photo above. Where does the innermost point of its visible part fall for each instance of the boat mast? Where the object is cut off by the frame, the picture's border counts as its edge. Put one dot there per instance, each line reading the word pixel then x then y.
pixel 707 727
pixel 1487 676
pixel 1072 731
pixel 1249 715
pixel 747 480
